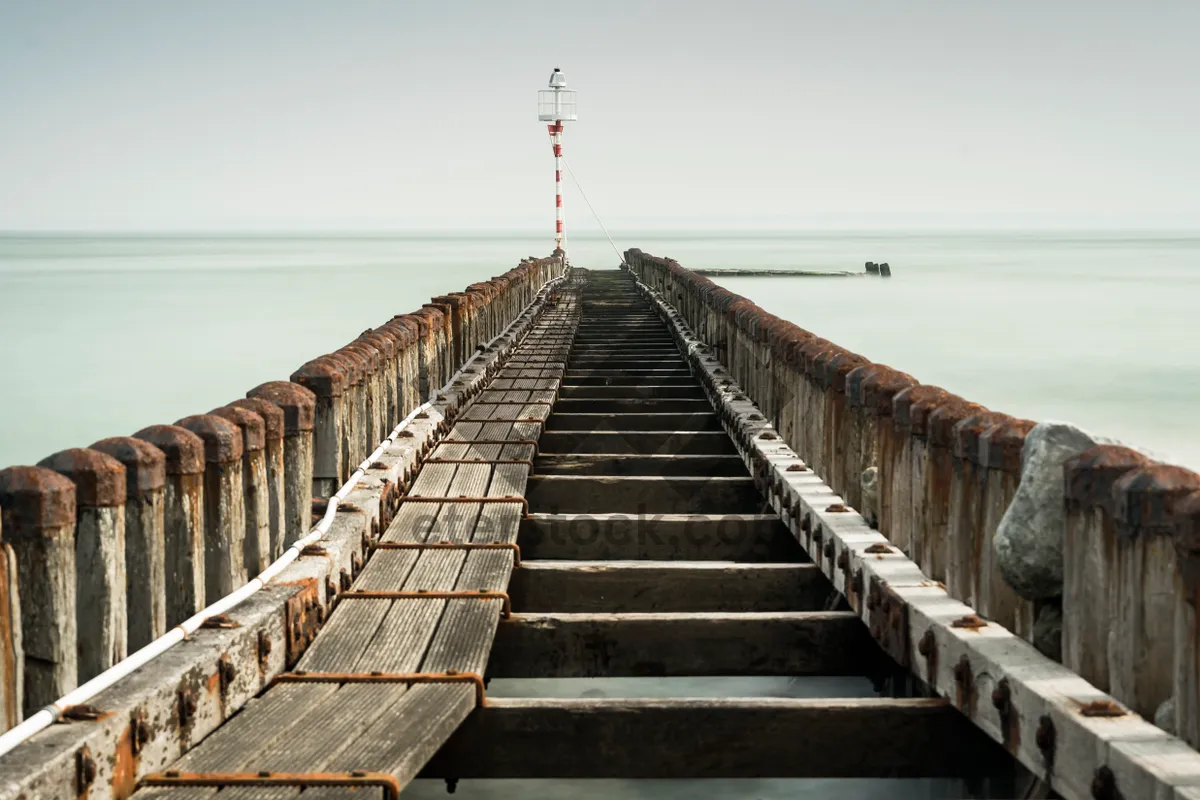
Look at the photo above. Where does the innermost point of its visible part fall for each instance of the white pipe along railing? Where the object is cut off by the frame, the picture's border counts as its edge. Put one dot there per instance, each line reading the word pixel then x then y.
pixel 50 714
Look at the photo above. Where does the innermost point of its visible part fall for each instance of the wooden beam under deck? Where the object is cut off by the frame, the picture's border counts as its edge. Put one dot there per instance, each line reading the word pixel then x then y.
pixel 681 644
pixel 714 738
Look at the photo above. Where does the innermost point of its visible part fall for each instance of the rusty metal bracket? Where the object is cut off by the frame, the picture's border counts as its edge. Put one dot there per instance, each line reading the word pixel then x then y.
pixel 510 499
pixel 448 545
pixel 303 618
pixel 302 780
pixel 887 617
pixel 531 442
pixel 423 594
pixel 527 462
pixel 449 676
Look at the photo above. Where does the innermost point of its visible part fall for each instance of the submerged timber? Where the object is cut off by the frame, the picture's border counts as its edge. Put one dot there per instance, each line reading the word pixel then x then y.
pixel 626 473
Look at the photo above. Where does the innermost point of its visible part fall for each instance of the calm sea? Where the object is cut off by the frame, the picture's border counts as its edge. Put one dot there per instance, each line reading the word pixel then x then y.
pixel 103 335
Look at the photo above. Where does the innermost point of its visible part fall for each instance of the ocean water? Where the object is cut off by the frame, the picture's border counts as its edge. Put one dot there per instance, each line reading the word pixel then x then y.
pixel 103 335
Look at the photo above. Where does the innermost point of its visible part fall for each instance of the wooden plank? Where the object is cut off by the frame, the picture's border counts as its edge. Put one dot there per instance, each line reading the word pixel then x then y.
pixel 645 586
pixel 684 391
pixel 715 738
pixel 670 442
pixel 717 466
pixel 680 644
pixel 667 421
pixel 627 405
pixel 582 494
pixel 752 538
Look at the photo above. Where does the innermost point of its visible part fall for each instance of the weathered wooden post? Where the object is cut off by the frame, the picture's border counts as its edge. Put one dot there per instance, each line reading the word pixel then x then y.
pixel 907 470
pixel 386 404
pixel 256 495
pixel 272 417
pixel 183 518
pixel 1000 449
pixel 1089 544
pixel 38 511
pixel 813 355
pixel 1141 667
pixel 371 364
pixel 878 393
pixel 859 439
pixel 966 539
pixel 931 427
pixel 12 653
pixel 327 379
pixel 145 536
pixel 224 504
pixel 299 409
pixel 1186 586
pixel 99 555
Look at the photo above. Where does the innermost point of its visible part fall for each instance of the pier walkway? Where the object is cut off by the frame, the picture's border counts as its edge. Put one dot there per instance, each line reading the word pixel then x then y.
pixel 593 493
pixel 647 550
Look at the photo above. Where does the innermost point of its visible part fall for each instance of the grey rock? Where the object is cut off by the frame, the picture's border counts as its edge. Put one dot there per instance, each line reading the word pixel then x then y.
pixel 869 481
pixel 1164 716
pixel 1028 542
pixel 1047 630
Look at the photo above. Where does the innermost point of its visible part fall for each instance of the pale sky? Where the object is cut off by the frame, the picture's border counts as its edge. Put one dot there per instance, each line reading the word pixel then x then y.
pixel 358 115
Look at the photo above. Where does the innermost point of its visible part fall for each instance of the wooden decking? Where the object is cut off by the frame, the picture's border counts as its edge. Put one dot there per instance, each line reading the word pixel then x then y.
pixel 647 550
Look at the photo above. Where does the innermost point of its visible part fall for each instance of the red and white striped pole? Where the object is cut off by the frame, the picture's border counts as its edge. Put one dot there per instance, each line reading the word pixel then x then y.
pixel 556 131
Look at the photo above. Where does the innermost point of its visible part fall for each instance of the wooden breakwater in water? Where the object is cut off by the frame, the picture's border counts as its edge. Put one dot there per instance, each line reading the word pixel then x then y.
pixel 942 473
pixel 107 547
pixel 883 270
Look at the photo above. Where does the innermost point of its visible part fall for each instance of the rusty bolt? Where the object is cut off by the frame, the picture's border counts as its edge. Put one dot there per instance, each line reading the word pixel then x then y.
pixel 226 672
pixel 872 596
pixel 187 707
pixel 928 644
pixel 355 564
pixel 1045 737
pixel 344 580
pixel 962 671
pixel 1002 698
pixel 843 560
pixel 857 583
pixel 330 588
pixel 836 508
pixel 1104 784
pixel 139 731
pixel 829 549
pixel 806 526
pixel 264 649
pixel 85 770
pixel 797 468
pixel 878 548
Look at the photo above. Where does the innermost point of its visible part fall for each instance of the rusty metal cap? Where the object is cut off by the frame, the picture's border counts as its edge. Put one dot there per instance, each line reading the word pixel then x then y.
pixel 855 379
pixel 943 419
pixel 184 450
pixel 1187 543
pixel 222 439
pixel 325 376
pixel 367 353
pixel 272 415
pixel 1001 446
pixel 356 365
pixel 1144 498
pixel 383 341
pixel 33 498
pixel 810 351
pixel 99 478
pixel 919 412
pixel 880 388
pixel 905 399
pixel 968 433
pixel 254 430
pixel 298 404
pixel 145 465
pixel 1089 477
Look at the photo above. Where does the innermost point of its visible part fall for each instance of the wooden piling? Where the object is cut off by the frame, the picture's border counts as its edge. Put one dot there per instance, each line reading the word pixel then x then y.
pixel 1186 635
pixel 37 508
pixel 1000 448
pixel 1089 547
pixel 224 504
pixel 255 492
pixel 272 417
pixel 966 539
pixel 1141 642
pixel 299 409
pixel 12 652
pixel 327 379
pixel 100 605
pixel 145 536
pixel 183 515
pixel 939 473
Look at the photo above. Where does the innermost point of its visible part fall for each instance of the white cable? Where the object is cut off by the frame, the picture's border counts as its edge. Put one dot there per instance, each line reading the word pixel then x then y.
pixel 52 713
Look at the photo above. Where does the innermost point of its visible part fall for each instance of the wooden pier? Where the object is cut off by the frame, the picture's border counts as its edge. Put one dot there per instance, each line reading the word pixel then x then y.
pixel 594 493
